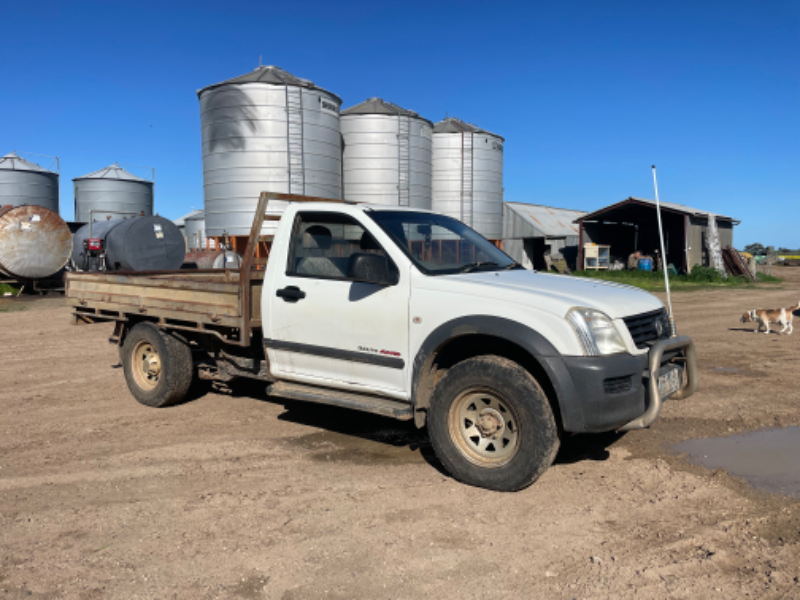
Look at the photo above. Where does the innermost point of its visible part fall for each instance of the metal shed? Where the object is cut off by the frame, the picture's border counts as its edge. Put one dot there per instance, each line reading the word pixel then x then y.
pixel 632 224
pixel 531 230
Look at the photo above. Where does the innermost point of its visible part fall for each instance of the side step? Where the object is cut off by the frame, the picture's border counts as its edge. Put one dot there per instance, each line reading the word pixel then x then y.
pixel 371 404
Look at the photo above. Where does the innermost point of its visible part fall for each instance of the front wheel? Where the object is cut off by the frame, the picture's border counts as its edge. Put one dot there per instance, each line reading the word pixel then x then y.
pixel 158 367
pixel 491 424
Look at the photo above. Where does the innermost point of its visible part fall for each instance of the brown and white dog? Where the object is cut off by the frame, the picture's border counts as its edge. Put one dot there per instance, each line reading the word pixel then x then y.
pixel 780 316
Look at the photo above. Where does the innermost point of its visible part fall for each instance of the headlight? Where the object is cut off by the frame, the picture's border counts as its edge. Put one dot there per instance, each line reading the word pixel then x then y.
pixel 596 332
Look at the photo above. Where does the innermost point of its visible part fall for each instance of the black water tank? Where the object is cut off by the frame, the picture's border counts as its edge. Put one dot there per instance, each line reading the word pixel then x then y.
pixel 138 244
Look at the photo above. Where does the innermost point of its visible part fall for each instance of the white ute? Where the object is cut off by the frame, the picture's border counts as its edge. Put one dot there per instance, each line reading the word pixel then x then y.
pixel 412 315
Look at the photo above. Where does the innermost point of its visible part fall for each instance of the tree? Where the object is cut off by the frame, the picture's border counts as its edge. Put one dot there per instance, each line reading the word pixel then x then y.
pixel 755 249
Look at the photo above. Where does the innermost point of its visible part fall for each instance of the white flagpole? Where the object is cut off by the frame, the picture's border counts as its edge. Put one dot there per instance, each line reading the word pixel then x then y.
pixel 664 265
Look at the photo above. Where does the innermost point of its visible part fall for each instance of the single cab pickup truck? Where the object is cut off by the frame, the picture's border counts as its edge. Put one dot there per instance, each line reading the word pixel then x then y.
pixel 408 314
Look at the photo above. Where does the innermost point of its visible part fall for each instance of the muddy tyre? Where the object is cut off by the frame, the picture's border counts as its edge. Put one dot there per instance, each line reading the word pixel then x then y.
pixel 158 367
pixel 491 424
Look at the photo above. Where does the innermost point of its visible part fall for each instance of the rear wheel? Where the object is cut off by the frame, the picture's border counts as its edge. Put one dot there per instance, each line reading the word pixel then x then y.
pixel 158 367
pixel 491 424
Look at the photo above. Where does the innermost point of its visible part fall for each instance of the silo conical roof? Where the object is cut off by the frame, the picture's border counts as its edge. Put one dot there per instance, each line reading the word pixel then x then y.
pixel 453 125
pixel 13 162
pixel 270 75
pixel 113 172
pixel 379 106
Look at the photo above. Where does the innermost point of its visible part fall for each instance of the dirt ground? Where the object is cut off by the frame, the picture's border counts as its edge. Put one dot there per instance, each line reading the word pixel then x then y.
pixel 232 495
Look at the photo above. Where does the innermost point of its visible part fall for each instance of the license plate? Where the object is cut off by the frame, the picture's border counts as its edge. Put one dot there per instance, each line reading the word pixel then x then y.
pixel 670 382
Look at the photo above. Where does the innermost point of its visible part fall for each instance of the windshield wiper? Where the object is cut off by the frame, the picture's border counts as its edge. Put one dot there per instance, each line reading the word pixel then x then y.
pixel 513 265
pixel 477 265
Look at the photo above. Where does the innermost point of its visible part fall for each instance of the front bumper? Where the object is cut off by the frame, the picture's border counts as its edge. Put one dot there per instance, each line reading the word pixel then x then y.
pixel 607 393
pixel 680 342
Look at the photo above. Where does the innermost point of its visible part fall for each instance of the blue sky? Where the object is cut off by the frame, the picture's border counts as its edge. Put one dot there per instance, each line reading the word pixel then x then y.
pixel 587 94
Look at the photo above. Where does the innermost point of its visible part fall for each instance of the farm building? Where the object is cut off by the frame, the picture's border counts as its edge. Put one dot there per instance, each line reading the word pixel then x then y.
pixel 531 230
pixel 632 225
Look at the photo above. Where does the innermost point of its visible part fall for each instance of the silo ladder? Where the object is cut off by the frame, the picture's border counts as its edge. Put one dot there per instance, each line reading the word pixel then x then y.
pixel 294 139
pixel 466 177
pixel 404 160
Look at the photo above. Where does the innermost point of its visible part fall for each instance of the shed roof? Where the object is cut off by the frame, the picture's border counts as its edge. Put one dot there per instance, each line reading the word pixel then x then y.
pixel 13 162
pixel 548 220
pixel 270 75
pixel 453 125
pixel 113 172
pixel 379 106
pixel 669 206
pixel 195 214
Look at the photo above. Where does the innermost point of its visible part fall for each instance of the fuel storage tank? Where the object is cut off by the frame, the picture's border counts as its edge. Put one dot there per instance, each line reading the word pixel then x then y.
pixel 266 131
pixel 34 242
pixel 137 244
pixel 115 190
pixel 468 175
pixel 386 155
pixel 23 182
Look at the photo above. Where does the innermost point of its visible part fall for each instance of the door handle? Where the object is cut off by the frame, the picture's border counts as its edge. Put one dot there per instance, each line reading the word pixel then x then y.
pixel 291 294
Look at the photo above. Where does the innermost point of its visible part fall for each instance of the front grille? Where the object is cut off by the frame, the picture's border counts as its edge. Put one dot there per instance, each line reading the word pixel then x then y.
pixel 617 385
pixel 644 330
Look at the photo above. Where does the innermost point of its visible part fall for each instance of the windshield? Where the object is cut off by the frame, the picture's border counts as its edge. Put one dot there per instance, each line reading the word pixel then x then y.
pixel 440 245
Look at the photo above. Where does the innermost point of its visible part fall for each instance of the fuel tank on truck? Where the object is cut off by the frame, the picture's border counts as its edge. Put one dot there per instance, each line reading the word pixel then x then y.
pixel 137 244
pixel 34 242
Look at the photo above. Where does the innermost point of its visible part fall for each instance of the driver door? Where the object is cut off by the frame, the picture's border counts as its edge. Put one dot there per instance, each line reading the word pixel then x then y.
pixel 328 329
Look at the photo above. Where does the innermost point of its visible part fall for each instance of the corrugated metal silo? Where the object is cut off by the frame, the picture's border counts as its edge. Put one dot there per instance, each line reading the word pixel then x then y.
pixel 468 175
pixel 112 189
pixel 266 131
pixel 386 158
pixel 23 182
pixel 195 231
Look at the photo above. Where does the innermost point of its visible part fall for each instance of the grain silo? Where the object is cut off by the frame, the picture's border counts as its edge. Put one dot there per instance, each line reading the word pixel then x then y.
pixel 194 230
pixel 386 155
pixel 112 193
pixel 468 175
pixel 266 131
pixel 23 182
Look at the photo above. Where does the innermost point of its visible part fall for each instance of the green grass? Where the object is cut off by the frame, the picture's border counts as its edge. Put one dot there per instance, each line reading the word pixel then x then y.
pixel 9 307
pixel 6 289
pixel 699 278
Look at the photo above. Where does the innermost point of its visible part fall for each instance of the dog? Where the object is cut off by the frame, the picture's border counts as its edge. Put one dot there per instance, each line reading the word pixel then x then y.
pixel 780 316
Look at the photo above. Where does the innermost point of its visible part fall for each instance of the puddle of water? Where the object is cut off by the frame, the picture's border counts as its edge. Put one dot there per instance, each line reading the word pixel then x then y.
pixel 768 460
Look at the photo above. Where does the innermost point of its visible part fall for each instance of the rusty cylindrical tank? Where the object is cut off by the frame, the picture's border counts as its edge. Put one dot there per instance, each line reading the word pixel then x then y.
pixel 212 259
pixel 34 242
pixel 201 259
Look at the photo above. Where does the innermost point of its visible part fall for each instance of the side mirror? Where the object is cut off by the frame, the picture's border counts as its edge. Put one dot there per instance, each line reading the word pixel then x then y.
pixel 370 268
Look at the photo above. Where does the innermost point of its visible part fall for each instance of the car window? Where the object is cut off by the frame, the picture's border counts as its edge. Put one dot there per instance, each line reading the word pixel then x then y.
pixel 323 243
